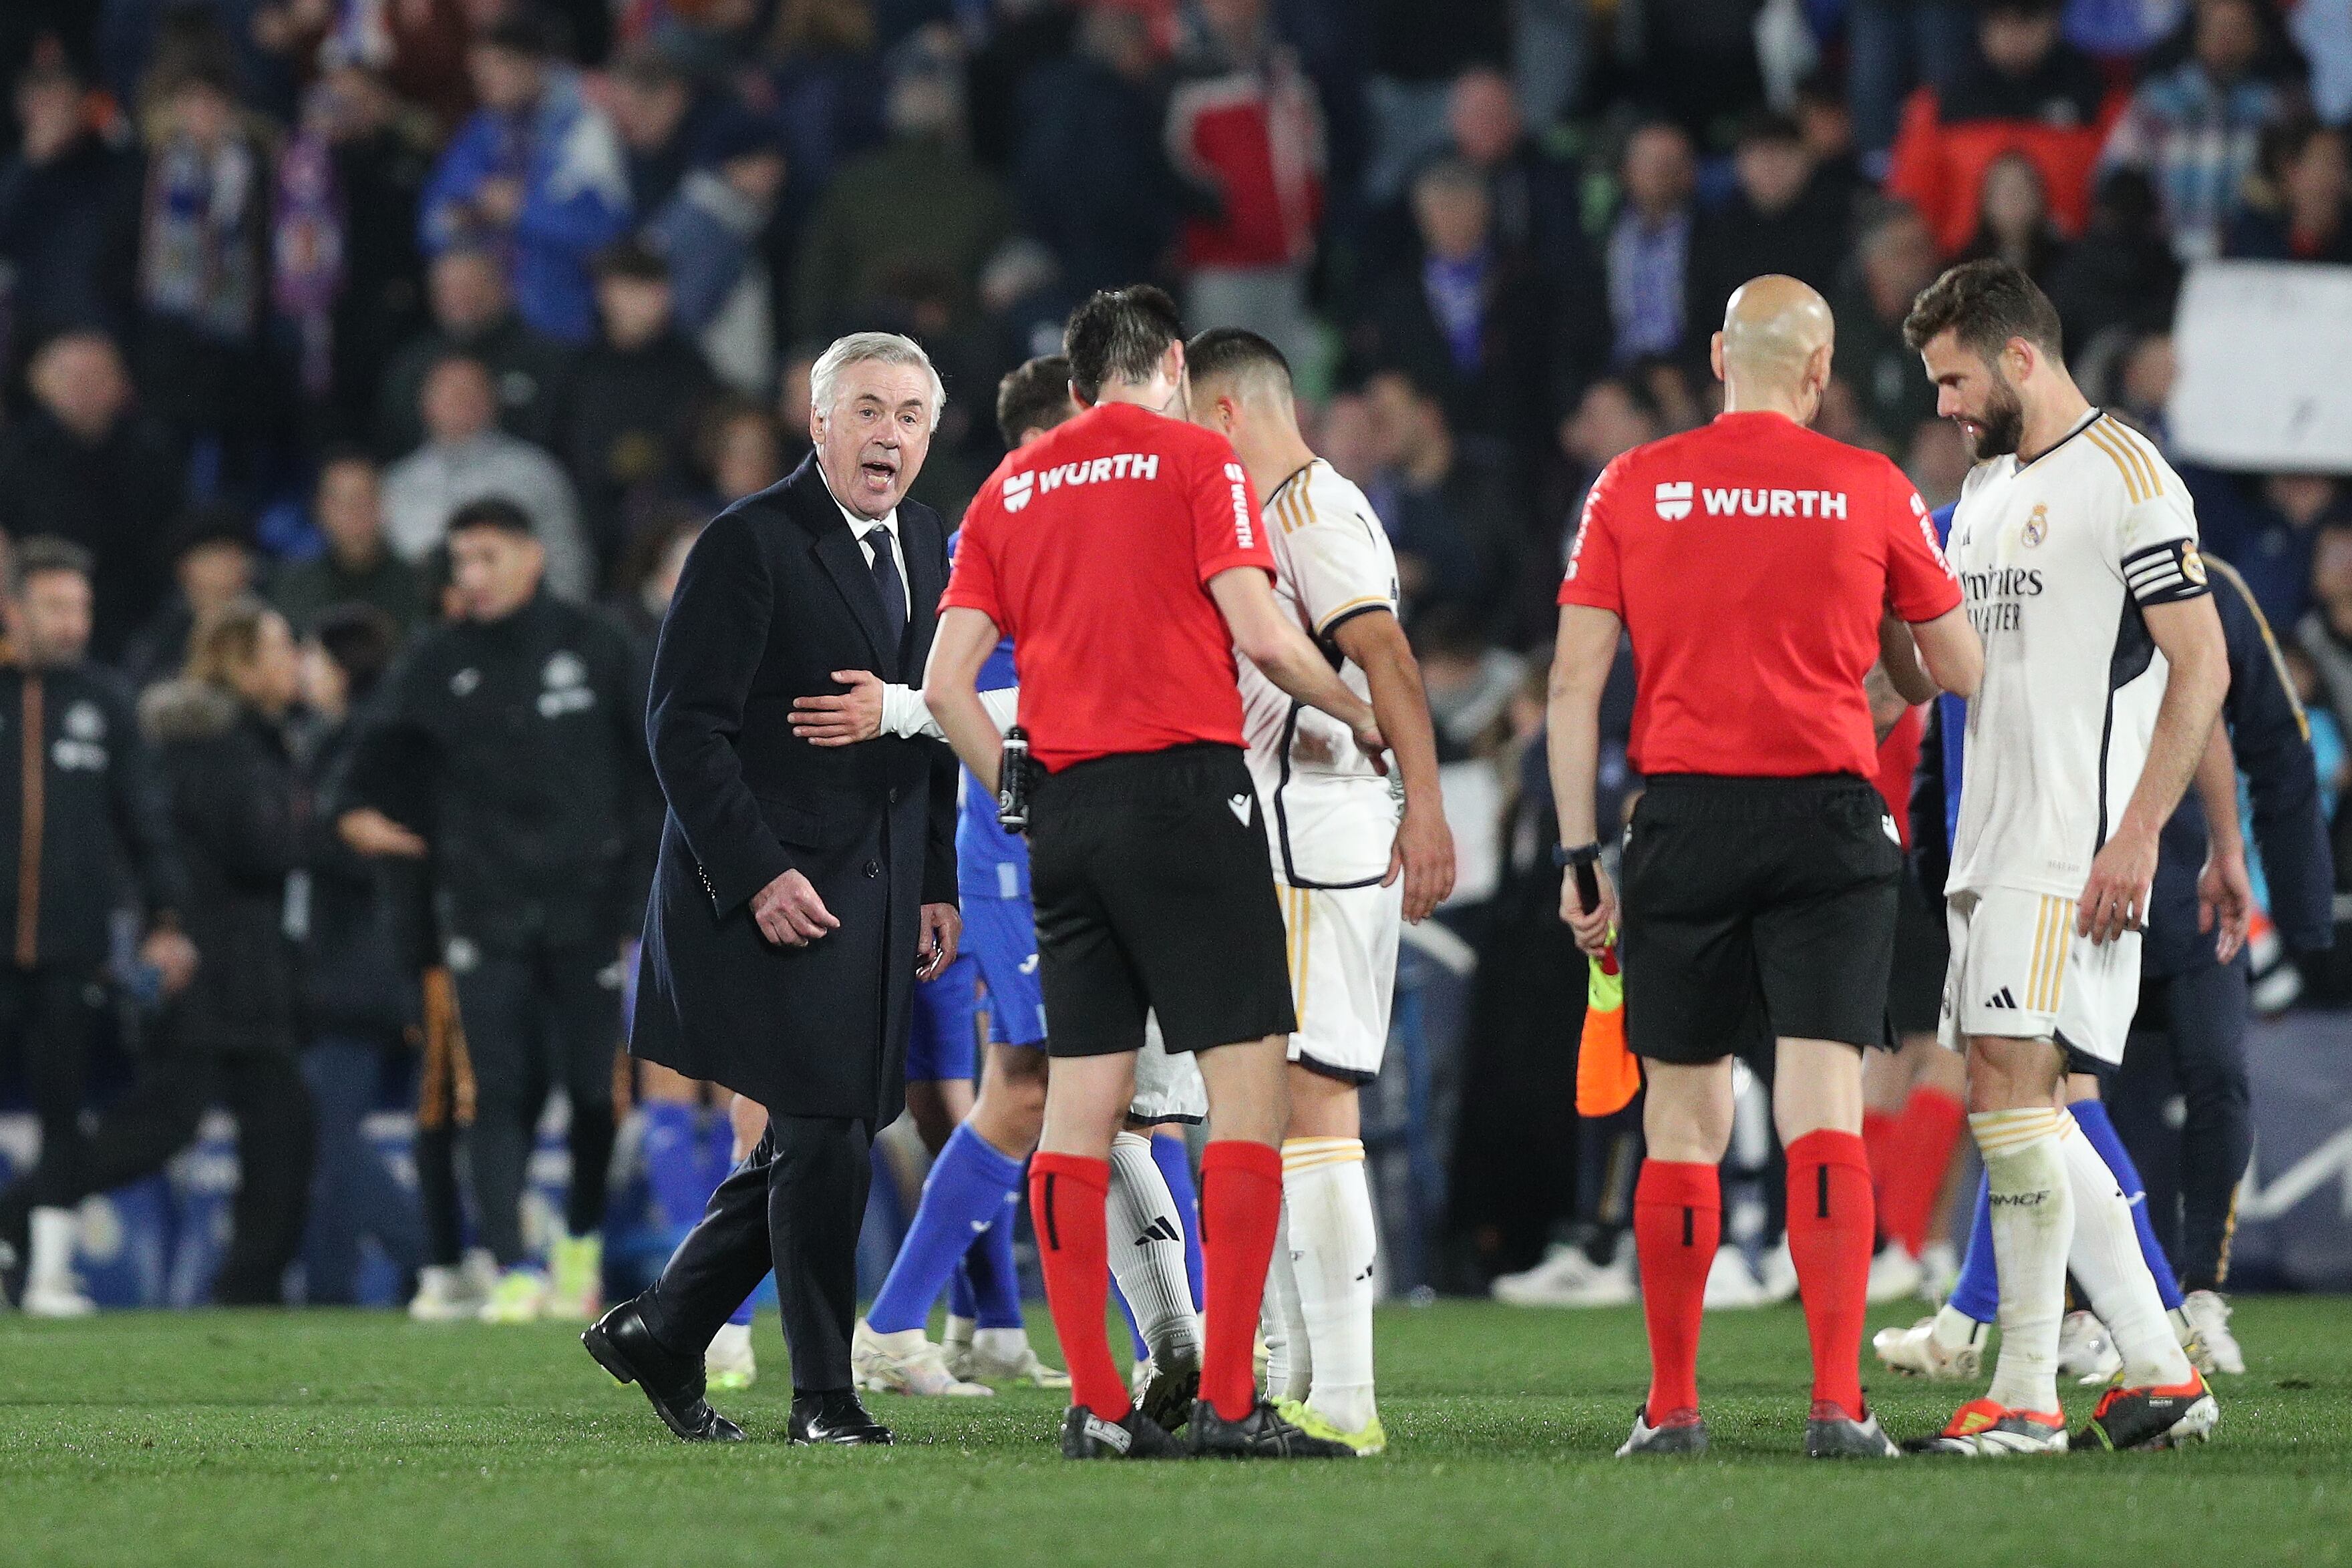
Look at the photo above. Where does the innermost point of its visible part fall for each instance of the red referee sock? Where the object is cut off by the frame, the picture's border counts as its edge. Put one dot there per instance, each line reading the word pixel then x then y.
pixel 1677 1223
pixel 1241 1205
pixel 1924 1139
pixel 1065 1204
pixel 1831 1230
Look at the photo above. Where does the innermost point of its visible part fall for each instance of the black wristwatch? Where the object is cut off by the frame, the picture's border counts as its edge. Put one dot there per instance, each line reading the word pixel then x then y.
pixel 1582 856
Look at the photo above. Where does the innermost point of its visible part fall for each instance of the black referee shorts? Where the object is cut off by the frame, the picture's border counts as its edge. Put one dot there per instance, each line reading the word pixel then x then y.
pixel 1757 904
pixel 1155 892
pixel 1922 952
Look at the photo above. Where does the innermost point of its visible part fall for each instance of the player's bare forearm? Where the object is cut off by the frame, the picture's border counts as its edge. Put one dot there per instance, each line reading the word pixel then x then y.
pixel 1587 646
pixel 2217 792
pixel 951 691
pixel 1887 706
pixel 2189 633
pixel 1898 667
pixel 1377 644
pixel 1950 651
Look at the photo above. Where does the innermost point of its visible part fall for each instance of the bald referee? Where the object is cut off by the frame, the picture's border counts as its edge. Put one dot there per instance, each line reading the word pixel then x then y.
pixel 1124 555
pixel 1763 571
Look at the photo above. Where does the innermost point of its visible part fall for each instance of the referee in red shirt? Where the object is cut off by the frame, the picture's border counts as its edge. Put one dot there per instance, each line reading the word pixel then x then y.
pixel 1124 555
pixel 1763 571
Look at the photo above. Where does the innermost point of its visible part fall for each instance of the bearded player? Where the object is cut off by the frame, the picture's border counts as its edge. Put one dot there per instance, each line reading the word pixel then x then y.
pixel 1347 867
pixel 2104 668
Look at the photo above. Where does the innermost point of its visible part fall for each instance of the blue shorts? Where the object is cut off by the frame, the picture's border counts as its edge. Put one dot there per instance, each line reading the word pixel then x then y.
pixel 1001 936
pixel 945 1040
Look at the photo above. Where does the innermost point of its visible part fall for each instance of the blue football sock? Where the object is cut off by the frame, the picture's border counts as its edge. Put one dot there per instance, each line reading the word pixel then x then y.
pixel 1175 1162
pixel 965 1193
pixel 741 1316
pixel 2091 1115
pixel 718 1147
pixel 961 1303
pixel 1977 1292
pixel 674 1167
pixel 990 1277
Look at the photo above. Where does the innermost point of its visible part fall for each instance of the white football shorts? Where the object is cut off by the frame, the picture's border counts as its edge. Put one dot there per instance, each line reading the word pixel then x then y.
pixel 1342 950
pixel 1167 1088
pixel 2019 972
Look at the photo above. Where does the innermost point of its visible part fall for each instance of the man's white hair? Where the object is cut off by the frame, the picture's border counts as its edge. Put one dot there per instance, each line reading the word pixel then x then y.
pixel 862 348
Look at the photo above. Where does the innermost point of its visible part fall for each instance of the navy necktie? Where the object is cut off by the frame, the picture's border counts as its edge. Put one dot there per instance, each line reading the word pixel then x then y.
pixel 890 586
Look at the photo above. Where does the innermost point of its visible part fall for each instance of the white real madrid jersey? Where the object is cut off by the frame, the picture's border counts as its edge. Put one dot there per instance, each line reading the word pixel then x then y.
pixel 1331 817
pixel 2057 557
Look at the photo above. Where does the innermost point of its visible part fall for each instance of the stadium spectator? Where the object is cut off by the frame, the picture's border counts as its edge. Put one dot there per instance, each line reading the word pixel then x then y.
pixel 465 458
pixel 2299 209
pixel 348 274
pixel 1536 196
pixel 473 314
pixel 1896 43
pixel 1649 242
pixel 1826 122
pixel 1092 176
pixel 84 466
pixel 203 275
pixel 1614 416
pixel 2267 525
pixel 738 450
pixel 711 233
pixel 2122 272
pixel 2022 89
pixel 632 398
pixel 1777 220
pixel 237 813
pixel 1465 317
pixel 213 567
pixel 917 206
pixel 84 805
pixel 64 198
pixel 1454 519
pixel 1246 128
pixel 357 566
pixel 537 171
pixel 1897 258
pixel 357 1002
pixel 2194 130
pixel 663 123
pixel 2014 223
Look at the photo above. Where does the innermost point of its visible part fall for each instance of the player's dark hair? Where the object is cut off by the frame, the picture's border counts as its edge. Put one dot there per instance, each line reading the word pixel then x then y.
pixel 1985 304
pixel 1119 335
pixel 1235 351
pixel 1033 396
pixel 45 553
pixel 491 512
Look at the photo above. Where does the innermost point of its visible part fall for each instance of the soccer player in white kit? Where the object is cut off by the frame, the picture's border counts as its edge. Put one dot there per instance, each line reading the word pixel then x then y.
pixel 2104 669
pixel 1355 854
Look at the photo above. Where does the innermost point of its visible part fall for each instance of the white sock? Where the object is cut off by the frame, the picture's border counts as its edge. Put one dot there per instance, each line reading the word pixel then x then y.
pixel 55 1233
pixel 1332 1247
pixel 2032 1224
pixel 1290 1354
pixel 2107 1262
pixel 1146 1253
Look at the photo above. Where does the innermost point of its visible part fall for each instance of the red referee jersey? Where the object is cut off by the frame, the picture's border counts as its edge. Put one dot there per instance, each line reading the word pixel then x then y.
pixel 1750 560
pixel 1092 548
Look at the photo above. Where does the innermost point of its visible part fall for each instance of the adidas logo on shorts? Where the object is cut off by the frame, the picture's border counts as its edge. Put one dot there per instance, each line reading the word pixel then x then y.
pixel 2001 999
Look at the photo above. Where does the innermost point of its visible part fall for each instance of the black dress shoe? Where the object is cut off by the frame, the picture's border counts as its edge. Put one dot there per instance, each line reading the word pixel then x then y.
pixel 624 1347
pixel 837 1417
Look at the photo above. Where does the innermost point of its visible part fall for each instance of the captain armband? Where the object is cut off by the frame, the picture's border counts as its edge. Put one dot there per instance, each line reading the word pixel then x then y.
pixel 2166 573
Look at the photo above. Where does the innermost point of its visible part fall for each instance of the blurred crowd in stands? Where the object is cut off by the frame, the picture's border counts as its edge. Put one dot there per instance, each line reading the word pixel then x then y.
pixel 284 284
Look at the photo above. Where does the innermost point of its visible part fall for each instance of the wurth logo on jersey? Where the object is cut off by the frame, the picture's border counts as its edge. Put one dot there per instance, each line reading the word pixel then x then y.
pixel 1244 525
pixel 1674 501
pixel 1775 503
pixel 1019 487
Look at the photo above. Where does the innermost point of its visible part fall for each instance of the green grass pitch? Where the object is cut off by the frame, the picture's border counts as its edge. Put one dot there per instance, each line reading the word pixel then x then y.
pixel 255 1439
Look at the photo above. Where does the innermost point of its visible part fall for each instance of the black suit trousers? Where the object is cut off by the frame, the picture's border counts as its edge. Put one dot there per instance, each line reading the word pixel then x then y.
pixel 795 1204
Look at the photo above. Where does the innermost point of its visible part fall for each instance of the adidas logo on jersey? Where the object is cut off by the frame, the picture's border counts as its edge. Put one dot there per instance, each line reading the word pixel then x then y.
pixel 2003 1000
